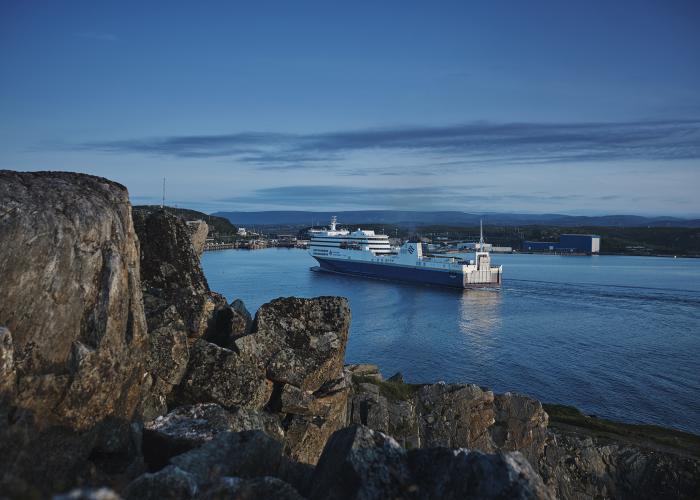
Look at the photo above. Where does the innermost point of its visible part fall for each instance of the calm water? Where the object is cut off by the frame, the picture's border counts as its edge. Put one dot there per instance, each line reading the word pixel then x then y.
pixel 615 336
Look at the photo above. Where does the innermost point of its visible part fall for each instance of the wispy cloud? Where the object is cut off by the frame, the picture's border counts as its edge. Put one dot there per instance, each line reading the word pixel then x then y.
pixel 414 198
pixel 100 36
pixel 483 142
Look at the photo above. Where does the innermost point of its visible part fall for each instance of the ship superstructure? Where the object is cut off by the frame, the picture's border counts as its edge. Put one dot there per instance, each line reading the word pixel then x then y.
pixel 364 253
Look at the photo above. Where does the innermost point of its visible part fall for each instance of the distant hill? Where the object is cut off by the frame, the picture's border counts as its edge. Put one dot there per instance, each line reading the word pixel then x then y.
pixel 216 224
pixel 452 218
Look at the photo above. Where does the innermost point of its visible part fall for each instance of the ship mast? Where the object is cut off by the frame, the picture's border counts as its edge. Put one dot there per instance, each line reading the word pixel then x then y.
pixel 481 232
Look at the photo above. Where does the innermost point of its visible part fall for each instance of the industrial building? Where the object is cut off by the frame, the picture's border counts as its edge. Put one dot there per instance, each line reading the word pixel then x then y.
pixel 568 243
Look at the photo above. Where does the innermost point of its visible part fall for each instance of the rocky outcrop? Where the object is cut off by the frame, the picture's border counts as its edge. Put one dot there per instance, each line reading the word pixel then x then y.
pixel 520 423
pixel 449 415
pixel 188 427
pixel 578 466
pixel 302 343
pixel 230 378
pixel 178 303
pixel 361 463
pixel 572 464
pixel 71 298
pixel 88 350
pixel 199 230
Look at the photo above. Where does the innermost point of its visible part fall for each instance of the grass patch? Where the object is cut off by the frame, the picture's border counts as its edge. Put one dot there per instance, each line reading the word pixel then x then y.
pixel 393 391
pixel 634 433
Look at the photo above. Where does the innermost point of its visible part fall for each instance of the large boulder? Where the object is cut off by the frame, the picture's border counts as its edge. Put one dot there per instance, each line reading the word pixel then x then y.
pixel 71 297
pixel 454 474
pixel 303 339
pixel 188 427
pixel 236 488
pixel 230 378
pixel 302 346
pixel 170 483
pixel 248 455
pixel 361 463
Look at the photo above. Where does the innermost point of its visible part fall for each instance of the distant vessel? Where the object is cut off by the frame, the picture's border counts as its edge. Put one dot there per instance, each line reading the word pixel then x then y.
pixel 365 253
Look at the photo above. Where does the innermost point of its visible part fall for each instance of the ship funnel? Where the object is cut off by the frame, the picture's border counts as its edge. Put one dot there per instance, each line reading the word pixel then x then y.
pixel 334 222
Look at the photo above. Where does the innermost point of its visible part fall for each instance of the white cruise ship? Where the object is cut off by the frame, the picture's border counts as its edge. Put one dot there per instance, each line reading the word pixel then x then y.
pixel 365 253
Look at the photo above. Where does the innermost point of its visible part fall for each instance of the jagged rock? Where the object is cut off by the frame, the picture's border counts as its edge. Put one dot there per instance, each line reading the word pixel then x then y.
pixel 303 339
pixel 302 342
pixel 371 409
pixel 246 454
pixel 358 462
pixel 583 467
pixel 234 488
pixel 455 474
pixel 246 324
pixel 168 483
pixel 365 371
pixel 199 230
pixel 89 494
pixel 177 301
pixel 71 297
pixel 188 427
pixel 455 416
pixel 520 424
pixel 230 378
pixel 171 273
pixel 308 431
pixel 396 378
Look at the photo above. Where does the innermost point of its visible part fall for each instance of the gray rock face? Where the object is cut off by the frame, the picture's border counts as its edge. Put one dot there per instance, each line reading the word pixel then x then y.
pixel 454 474
pixel 448 415
pixel 168 483
pixel 302 345
pixel 230 378
pixel 361 463
pixel 199 230
pixel 582 467
pixel 520 424
pixel 233 488
pixel 246 454
pixel 188 427
pixel 358 462
pixel 177 300
pixel 454 415
pixel 71 297
pixel 303 339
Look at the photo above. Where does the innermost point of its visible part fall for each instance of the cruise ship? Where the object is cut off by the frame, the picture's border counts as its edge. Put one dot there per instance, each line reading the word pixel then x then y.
pixel 367 254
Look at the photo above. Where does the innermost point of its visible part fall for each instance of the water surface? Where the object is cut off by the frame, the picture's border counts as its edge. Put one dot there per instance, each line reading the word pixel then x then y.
pixel 618 337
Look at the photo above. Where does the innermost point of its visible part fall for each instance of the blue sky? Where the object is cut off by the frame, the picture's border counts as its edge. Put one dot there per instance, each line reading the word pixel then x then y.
pixel 571 107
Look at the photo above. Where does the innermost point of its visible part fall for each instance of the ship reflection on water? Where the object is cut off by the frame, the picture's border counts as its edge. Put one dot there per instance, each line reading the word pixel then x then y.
pixel 479 313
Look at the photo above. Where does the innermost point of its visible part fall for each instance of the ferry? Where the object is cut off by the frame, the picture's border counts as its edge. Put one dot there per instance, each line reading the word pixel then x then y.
pixel 364 253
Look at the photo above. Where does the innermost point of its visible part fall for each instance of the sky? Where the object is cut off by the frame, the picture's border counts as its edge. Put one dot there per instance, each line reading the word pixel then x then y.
pixel 577 107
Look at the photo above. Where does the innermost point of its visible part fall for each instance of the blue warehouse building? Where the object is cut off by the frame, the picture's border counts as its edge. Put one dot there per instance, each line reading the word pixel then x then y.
pixel 572 243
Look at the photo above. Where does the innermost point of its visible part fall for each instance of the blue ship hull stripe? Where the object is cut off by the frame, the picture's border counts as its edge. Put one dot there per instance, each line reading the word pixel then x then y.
pixel 399 273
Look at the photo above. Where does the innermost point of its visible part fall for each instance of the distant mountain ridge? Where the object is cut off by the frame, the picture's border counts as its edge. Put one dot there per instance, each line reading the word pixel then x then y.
pixel 447 218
